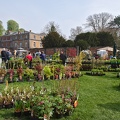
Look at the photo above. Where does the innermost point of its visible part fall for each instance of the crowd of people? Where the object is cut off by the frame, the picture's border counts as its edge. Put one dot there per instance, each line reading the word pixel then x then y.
pixel 7 55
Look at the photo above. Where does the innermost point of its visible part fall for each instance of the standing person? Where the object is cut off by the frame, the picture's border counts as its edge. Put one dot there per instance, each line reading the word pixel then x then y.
pixel 4 55
pixel 33 55
pixel 63 57
pixel 9 54
pixel 29 57
pixel 15 51
pixel 43 56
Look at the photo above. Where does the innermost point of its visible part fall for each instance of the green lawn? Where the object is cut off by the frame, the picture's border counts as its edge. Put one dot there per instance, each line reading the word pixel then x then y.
pixel 99 99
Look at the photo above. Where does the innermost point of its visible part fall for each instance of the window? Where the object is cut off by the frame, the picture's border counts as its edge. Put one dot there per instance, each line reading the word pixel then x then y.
pixel 15 37
pixel 26 36
pixel 26 44
pixel 10 37
pixel 20 36
pixel 34 44
pixel 40 44
pixel 15 44
pixel 20 45
pixel 34 37
pixel 11 45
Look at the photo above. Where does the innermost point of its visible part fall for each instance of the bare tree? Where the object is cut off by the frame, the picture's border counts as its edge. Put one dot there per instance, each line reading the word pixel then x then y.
pixel 99 22
pixel 51 27
pixel 114 29
pixel 75 32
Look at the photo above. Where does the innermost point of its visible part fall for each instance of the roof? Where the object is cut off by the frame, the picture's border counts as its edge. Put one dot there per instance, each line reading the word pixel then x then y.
pixel 107 48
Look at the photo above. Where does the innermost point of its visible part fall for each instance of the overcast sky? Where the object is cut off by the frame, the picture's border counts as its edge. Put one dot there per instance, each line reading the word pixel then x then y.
pixel 36 14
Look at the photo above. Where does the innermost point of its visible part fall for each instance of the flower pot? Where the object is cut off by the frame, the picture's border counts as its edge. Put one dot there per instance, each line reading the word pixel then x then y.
pixel 20 77
pixel 26 112
pixel 1 106
pixel 10 105
pixel 17 113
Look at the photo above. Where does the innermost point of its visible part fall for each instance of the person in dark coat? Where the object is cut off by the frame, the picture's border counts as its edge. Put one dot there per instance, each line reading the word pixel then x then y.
pixel 63 57
pixel 4 55
pixel 9 54
pixel 43 56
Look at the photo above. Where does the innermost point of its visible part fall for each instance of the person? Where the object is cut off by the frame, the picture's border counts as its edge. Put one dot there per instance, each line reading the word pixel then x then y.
pixel 29 58
pixel 4 55
pixel 111 56
pixel 33 55
pixel 15 52
pixel 63 57
pixel 9 54
pixel 43 56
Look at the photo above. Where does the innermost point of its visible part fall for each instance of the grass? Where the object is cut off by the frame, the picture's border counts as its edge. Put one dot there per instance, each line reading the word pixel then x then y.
pixel 99 99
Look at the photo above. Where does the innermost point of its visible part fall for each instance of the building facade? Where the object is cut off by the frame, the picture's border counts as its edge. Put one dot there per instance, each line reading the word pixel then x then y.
pixel 26 40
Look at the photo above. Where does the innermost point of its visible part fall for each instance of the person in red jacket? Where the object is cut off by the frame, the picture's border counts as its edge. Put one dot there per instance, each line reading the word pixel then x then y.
pixel 29 57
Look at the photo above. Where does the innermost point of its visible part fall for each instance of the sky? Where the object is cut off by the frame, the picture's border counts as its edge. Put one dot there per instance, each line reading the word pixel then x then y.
pixel 34 15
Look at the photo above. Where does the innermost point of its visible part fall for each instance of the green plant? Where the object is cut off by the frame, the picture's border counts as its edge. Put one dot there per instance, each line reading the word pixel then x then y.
pixel 26 105
pixel 38 67
pixel 47 71
pixel 8 99
pixel 96 101
pixel 28 72
pixel 1 99
pixel 18 106
pixel 43 107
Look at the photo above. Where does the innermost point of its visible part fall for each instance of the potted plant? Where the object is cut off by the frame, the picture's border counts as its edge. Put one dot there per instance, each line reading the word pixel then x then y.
pixel 20 72
pixel 59 107
pixel 1 101
pixel 2 75
pixel 39 68
pixel 47 72
pixel 8 101
pixel 11 73
pixel 18 107
pixel 43 108
pixel 59 71
pixel 28 73
pixel 26 107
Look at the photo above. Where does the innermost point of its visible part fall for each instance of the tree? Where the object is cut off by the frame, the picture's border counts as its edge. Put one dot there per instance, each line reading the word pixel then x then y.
pixel 1 28
pixel 75 32
pixel 114 27
pixel 99 22
pixel 83 45
pixel 52 27
pixel 53 39
pixel 68 43
pixel 89 37
pixel 96 39
pixel 12 26
pixel 21 30
pixel 115 23
pixel 105 39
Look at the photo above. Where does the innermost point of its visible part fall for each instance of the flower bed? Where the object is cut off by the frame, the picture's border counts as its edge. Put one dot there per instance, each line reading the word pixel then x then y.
pixel 96 72
pixel 42 102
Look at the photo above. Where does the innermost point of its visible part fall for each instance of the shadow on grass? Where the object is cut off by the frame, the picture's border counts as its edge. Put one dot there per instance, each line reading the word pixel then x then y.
pixel 10 116
pixel 111 106
pixel 117 88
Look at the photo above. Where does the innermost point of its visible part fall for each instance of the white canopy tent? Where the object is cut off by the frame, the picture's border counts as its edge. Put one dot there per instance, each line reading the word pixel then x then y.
pixel 103 53
pixel 107 49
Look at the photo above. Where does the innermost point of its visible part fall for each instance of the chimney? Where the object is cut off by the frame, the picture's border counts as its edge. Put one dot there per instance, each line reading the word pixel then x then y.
pixel 30 30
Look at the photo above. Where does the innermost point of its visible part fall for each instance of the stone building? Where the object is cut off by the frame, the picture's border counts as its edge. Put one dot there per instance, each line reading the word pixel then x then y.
pixel 26 40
